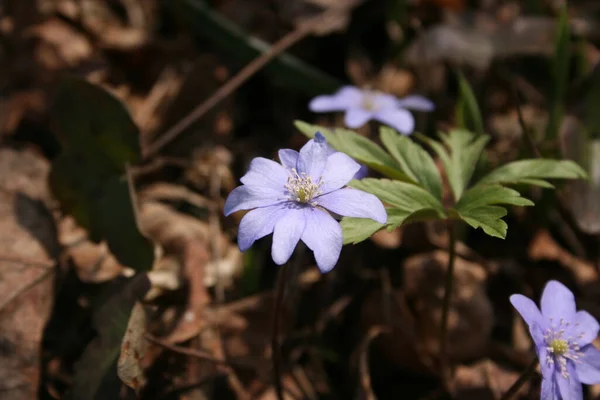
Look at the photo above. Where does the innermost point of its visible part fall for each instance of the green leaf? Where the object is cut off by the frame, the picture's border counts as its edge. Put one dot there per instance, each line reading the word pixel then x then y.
pixel 89 120
pixel 560 74
pixel 95 373
pixel 459 162
pixel 486 195
pixel 402 195
pixel 534 171
pixel 468 113
pixel 488 218
pixel 358 147
pixel 413 159
pixel 356 230
pixel 207 23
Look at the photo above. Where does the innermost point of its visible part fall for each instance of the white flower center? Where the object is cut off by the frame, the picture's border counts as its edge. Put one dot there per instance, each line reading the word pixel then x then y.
pixel 369 102
pixel 302 188
pixel 561 349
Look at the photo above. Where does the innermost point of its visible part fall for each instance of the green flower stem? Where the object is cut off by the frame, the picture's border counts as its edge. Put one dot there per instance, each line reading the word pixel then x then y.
pixel 275 348
pixel 446 305
pixel 525 376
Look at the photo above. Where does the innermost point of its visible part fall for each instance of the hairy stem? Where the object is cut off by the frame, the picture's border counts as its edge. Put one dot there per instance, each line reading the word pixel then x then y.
pixel 525 376
pixel 275 349
pixel 446 305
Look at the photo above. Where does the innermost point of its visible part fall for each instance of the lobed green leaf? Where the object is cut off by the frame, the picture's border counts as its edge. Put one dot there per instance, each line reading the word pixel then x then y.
pixel 413 160
pixel 534 172
pixel 488 218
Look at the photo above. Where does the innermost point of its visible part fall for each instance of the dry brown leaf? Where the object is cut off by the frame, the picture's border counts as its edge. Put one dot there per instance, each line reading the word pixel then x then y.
pixel 27 232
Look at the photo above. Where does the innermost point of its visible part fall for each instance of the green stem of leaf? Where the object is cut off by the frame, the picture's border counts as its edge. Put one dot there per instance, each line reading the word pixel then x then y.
pixel 525 376
pixel 447 301
pixel 275 348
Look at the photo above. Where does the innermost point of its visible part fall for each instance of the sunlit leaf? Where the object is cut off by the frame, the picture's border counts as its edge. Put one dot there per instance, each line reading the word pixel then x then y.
pixel 486 195
pixel 460 155
pixel 358 147
pixel 402 195
pixel 538 170
pixel 413 159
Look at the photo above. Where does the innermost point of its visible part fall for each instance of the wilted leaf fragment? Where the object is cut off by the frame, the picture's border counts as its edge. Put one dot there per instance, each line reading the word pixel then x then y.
pixel 96 370
pixel 133 349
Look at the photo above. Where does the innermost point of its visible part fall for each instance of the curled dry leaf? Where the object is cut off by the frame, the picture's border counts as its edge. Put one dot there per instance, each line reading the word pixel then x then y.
pixel 471 315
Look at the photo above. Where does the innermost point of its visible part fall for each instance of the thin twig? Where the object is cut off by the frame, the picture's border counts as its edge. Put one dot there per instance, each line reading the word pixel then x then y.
pixel 524 128
pixel 199 354
pixel 275 349
pixel 363 363
pixel 444 367
pixel 525 376
pixel 231 85
pixel 14 295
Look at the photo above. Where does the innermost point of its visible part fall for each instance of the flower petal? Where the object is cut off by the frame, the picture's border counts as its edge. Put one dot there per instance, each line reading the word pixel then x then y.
pixel 569 388
pixel 338 171
pixel 541 349
pixel 528 309
pixel 361 173
pixel 357 117
pixel 549 389
pixel 346 97
pixel 323 235
pixel 248 197
pixel 588 369
pixel 287 232
pixel 258 223
pixel 398 118
pixel 289 158
pixel 584 327
pixel 265 172
pixel 353 203
pixel 416 102
pixel 558 302
pixel 313 156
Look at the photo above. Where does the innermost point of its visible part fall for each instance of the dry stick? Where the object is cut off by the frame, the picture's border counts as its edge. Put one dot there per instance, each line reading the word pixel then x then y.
pixel 275 350
pixel 525 376
pixel 26 287
pixel 242 76
pixel 202 355
pixel 444 368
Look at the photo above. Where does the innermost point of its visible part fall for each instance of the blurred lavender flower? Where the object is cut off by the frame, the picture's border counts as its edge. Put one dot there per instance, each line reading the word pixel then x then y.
pixel 562 337
pixel 364 105
pixel 294 199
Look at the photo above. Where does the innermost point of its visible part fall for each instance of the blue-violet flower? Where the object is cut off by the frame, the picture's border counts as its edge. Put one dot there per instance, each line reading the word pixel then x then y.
pixel 364 105
pixel 563 340
pixel 295 201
